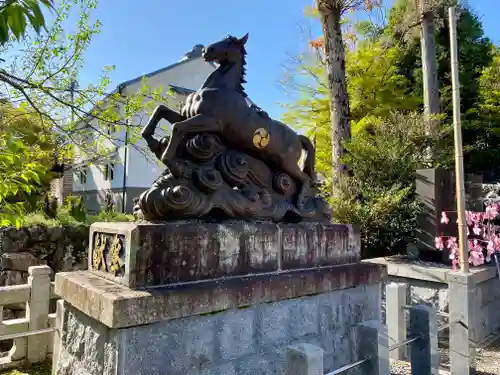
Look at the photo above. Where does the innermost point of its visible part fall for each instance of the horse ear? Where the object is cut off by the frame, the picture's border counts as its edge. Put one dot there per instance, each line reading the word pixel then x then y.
pixel 244 39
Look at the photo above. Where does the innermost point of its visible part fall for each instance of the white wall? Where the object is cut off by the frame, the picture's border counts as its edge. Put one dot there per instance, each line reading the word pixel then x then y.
pixel 141 172
pixel 96 178
pixel 95 172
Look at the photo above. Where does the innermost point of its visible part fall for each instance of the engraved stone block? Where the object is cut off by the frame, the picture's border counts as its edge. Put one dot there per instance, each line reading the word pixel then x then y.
pixel 316 244
pixel 141 255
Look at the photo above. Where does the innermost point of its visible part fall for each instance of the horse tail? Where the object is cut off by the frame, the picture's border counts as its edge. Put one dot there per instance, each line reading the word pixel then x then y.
pixel 309 164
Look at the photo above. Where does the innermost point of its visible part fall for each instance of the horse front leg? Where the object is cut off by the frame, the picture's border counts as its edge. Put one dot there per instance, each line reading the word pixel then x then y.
pixel 180 130
pixel 160 112
pixel 156 146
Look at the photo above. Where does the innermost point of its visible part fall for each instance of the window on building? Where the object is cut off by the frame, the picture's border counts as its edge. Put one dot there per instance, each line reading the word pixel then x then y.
pixel 111 128
pixel 82 176
pixel 109 171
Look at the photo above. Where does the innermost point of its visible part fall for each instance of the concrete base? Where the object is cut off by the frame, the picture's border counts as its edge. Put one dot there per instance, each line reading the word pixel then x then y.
pixel 237 325
pixel 429 284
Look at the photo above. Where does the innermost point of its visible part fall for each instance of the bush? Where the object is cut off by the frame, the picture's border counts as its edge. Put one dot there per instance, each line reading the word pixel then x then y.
pixel 379 193
pixel 76 208
pixel 35 369
pixel 110 216
pixel 73 213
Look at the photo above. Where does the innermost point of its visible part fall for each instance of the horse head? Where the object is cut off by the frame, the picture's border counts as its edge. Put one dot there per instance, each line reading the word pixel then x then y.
pixel 229 50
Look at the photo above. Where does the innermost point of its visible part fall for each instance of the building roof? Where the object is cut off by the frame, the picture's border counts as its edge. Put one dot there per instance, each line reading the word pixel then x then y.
pixel 185 92
pixel 195 53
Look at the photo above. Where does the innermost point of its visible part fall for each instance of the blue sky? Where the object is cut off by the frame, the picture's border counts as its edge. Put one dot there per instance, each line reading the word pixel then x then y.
pixel 142 36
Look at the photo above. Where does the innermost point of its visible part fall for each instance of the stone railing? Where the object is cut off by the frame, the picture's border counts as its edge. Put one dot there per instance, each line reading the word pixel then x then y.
pixel 410 327
pixel 32 336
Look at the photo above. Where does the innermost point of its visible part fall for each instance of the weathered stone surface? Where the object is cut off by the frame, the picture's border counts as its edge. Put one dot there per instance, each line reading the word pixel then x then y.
pixel 237 341
pixel 167 253
pixel 87 347
pixel 307 245
pixel 19 261
pixel 62 248
pixel 118 306
pixel 13 277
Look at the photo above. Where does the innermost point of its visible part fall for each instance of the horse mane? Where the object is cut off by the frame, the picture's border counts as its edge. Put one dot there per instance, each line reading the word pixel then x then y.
pixel 241 89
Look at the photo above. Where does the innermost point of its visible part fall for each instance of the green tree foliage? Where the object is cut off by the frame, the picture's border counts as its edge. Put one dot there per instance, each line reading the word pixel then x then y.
pixel 17 15
pixel 379 194
pixel 474 50
pixel 375 87
pixel 385 87
pixel 38 79
pixel 482 126
pixel 27 150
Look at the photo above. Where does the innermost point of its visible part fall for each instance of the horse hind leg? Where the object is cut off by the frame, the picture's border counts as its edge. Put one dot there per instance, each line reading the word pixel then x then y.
pixel 194 125
pixel 293 169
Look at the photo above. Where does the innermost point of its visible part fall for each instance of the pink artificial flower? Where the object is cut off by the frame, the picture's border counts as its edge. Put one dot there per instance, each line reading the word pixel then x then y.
pixel 453 246
pixel 444 218
pixel 439 243
pixel 453 254
pixel 476 230
pixel 490 247
pixel 476 256
pixel 475 245
pixel 473 218
pixel 491 212
pixel 452 243
pixel 496 241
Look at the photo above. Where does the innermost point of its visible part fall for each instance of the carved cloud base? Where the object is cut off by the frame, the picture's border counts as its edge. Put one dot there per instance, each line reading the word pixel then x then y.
pixel 210 180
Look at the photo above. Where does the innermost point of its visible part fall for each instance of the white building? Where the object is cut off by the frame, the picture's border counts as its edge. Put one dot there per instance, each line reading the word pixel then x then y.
pixel 130 172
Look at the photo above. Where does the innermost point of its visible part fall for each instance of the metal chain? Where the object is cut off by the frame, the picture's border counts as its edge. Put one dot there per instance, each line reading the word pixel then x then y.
pixel 391 348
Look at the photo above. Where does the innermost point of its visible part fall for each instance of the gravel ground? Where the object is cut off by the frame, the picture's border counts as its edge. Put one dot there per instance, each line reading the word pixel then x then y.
pixel 487 360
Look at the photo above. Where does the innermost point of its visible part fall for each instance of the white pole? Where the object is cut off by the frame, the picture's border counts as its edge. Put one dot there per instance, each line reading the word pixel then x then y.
pixel 463 244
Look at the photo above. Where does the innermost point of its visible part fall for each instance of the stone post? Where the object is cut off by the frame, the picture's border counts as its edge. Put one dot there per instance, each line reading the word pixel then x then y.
pixel 462 289
pixel 396 298
pixel 424 351
pixel 58 334
pixel 37 311
pixel 373 344
pixel 304 359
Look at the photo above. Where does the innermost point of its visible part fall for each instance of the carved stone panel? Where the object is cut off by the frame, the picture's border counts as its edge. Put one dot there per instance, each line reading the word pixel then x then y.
pixel 108 253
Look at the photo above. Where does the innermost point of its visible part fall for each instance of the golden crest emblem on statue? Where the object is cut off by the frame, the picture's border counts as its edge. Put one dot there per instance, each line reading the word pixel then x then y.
pixel 261 138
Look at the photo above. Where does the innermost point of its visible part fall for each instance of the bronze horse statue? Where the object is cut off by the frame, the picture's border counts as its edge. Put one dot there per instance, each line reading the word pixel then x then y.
pixel 220 107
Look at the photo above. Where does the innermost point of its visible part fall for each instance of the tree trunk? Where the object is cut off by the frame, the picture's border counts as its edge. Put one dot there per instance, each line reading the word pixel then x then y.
pixel 429 72
pixel 330 11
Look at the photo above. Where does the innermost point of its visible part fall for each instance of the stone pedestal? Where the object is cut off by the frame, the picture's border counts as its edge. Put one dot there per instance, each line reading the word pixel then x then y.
pixel 213 298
